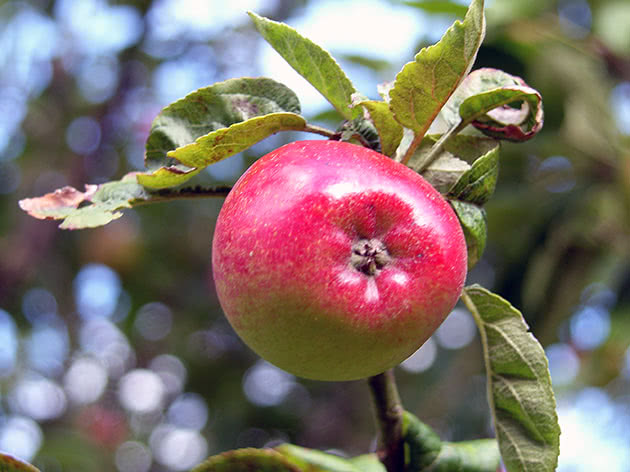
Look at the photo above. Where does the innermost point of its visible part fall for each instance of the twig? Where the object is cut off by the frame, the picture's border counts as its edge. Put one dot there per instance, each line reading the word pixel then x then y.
pixel 389 413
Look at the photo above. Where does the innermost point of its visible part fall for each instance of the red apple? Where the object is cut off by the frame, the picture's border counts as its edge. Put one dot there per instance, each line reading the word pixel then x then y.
pixel 335 262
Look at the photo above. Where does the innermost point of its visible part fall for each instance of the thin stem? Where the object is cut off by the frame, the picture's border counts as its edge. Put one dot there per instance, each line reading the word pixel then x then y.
pixel 168 194
pixel 319 130
pixel 389 413
pixel 438 147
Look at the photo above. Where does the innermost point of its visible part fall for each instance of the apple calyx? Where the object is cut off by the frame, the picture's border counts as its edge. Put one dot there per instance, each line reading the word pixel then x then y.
pixel 369 256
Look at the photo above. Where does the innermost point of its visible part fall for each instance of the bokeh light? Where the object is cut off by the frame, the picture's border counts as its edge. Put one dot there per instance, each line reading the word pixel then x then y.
pixel 556 174
pixel 107 343
pixel 38 398
pixel 620 105
pixel 8 344
pixel 189 411
pixel 178 448
pixel 266 385
pixel 564 363
pixel 595 433
pixel 141 391
pixel 133 456
pixel 85 380
pixel 590 327
pixel 171 371
pixel 83 135
pixel 96 291
pixel 21 437
pixel 422 359
pixel 48 346
pixel 457 330
pixel 153 321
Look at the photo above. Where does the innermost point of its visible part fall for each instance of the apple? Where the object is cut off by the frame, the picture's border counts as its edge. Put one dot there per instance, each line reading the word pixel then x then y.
pixel 334 262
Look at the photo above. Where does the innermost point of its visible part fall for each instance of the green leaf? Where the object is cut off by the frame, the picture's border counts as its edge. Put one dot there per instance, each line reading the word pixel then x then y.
pixel 452 161
pixel 315 461
pixel 247 460
pixel 481 455
pixel 312 62
pixel 11 464
pixel 368 463
pixel 497 104
pixel 439 7
pixel 389 130
pixel 422 444
pixel 424 452
pixel 519 385
pixel 477 184
pixel 210 108
pixel 218 145
pixel 423 86
pixel 473 221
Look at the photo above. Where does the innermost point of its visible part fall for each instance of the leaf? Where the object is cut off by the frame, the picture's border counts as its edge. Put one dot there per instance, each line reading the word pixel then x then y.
pixel 368 463
pixel 423 86
pixel 315 461
pixel 422 444
pixel 481 455
pixel 247 460
pixel 452 162
pixel 443 172
pixel 473 221
pixel 218 145
pixel 312 62
pixel 361 131
pixel 497 104
pixel 424 452
pixel 11 464
pixel 519 385
pixel 389 130
pixel 210 110
pixel 439 6
pixel 97 206
pixel 100 204
pixel 478 183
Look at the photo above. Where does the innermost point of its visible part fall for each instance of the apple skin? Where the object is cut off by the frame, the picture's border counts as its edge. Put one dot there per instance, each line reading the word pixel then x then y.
pixel 334 262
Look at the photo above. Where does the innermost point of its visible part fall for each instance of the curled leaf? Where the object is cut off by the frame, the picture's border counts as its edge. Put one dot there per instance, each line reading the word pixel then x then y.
pixel 497 104
pixel 423 86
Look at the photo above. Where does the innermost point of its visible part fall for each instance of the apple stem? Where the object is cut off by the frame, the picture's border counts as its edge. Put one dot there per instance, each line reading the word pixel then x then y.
pixel 389 413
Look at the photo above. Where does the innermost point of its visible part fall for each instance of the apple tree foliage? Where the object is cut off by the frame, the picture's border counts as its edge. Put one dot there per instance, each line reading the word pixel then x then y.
pixel 438 118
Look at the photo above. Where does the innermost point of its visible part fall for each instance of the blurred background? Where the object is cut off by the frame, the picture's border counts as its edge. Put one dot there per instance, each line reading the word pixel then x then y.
pixel 114 353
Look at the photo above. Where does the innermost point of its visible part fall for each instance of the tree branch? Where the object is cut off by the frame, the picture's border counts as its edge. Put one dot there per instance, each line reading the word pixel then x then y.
pixel 389 413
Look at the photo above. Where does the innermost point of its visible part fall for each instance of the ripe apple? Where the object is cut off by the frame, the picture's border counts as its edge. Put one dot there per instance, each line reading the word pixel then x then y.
pixel 335 262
